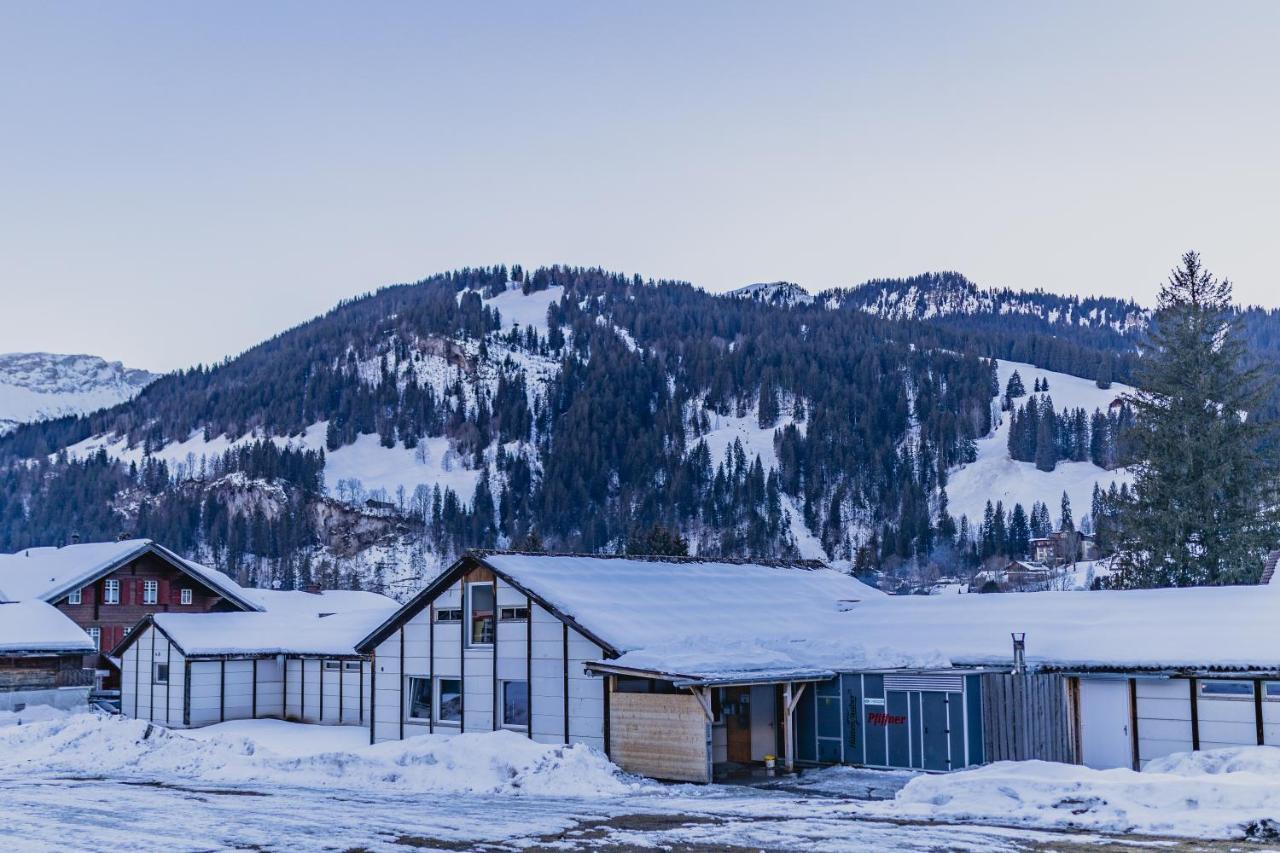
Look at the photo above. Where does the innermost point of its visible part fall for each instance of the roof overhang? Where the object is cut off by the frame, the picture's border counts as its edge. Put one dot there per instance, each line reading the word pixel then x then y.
pixel 737 679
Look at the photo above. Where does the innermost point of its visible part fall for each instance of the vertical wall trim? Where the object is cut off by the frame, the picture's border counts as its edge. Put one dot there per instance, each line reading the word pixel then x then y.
pixel 361 686
pixel 302 689
pixel 168 667
pixel 137 662
pixel 320 719
pixel 402 680
pixel 528 660
pixel 565 626
pixel 1133 723
pixel 1195 713
pixel 284 689
pixel 222 690
pixel 151 672
pixel 342 678
pixel 186 691
pixel 431 666
pixel 462 658
pixel 373 695
pixel 496 612
pixel 607 684
pixel 1257 711
pixel 255 689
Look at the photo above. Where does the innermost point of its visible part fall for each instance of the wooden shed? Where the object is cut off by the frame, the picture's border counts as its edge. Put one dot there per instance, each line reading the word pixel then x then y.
pixel 41 654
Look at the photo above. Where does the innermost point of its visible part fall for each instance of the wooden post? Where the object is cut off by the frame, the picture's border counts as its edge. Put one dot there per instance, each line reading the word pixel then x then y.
pixel 788 759
pixel 222 690
pixel 400 691
pixel 1133 723
pixel 373 694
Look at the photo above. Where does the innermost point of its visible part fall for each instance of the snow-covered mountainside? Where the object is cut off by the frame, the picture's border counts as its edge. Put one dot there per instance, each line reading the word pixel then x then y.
pixel 993 476
pixel 780 293
pixel 949 294
pixel 39 385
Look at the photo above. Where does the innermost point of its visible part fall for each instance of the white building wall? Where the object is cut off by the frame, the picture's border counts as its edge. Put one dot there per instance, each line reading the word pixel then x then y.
pixel 444 653
pixel 270 688
pixel 1164 717
pixel 206 706
pixel 143 697
pixel 1227 722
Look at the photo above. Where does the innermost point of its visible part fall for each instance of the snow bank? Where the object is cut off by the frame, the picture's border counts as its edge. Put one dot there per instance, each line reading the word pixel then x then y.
pixel 490 763
pixel 1225 793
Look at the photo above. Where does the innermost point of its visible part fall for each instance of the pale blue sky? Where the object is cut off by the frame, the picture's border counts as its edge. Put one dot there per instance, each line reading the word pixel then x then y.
pixel 179 181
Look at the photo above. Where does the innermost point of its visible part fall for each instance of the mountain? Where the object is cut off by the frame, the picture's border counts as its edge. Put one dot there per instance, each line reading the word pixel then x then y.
pixel 950 294
pixel 779 293
pixel 574 408
pixel 39 385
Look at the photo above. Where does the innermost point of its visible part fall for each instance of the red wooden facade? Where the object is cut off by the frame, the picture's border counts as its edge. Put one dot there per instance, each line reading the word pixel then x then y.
pixel 112 620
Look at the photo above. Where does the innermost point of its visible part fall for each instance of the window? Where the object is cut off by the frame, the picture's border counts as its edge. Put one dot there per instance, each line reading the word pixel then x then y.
pixel 95 634
pixel 150 592
pixel 332 665
pixel 449 614
pixel 111 592
pixel 74 597
pixel 419 698
pixel 514 614
pixel 449 699
pixel 351 666
pixel 185 596
pixel 1227 689
pixel 515 703
pixel 631 684
pixel 480 613
pixel 1271 691
pixel 161 674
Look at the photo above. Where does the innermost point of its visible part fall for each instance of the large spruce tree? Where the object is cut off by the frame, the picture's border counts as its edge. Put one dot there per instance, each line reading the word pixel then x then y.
pixel 1202 510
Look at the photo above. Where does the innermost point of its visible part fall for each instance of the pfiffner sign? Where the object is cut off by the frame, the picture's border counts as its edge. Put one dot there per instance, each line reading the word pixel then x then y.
pixel 880 718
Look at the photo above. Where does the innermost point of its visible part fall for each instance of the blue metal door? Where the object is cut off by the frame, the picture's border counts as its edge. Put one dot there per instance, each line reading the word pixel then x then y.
pixel 934 734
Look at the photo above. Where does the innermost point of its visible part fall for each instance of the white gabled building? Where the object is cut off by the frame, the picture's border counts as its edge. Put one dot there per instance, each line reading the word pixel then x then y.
pixel 540 643
pixel 297 662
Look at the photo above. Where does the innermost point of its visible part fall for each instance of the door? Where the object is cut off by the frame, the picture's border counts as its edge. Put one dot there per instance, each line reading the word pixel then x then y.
pixel 1105 740
pixel 764 738
pixel 935 736
pixel 737 724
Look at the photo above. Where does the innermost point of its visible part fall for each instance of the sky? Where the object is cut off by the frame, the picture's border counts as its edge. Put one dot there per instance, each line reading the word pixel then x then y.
pixel 179 181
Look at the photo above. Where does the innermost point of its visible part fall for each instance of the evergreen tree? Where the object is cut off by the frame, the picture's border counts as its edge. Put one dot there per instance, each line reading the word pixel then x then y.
pixel 1065 522
pixel 1203 505
pixel 1019 532
pixel 1047 438
pixel 1014 388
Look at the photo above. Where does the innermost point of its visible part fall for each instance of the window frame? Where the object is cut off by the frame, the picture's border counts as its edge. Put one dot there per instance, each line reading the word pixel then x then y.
pixel 155 673
pixel 351 666
pixel 440 617
pixel 1205 692
pixel 186 596
pixel 111 591
pixel 410 703
pixel 76 596
pixel 502 705
pixel 515 614
pixel 332 665
pixel 438 693
pixel 468 614
pixel 150 591
pixel 95 634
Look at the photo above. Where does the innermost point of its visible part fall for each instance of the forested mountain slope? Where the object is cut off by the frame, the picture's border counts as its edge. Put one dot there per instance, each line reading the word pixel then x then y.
pixel 564 408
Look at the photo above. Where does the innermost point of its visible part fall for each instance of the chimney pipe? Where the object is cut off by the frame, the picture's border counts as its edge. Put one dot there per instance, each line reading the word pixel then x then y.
pixel 75 538
pixel 1019 652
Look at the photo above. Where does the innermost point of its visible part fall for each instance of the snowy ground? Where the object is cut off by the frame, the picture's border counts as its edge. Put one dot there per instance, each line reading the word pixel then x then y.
pixel 995 477
pixel 94 783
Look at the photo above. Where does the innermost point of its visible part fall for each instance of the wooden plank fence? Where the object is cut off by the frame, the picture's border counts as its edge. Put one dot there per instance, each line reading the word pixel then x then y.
pixel 1027 716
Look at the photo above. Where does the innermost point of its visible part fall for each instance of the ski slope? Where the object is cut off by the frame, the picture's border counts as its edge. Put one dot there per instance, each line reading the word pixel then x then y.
pixel 995 477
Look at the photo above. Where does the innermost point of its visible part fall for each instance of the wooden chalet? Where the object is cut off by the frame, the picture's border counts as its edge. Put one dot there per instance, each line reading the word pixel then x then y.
pixel 41 658
pixel 107 587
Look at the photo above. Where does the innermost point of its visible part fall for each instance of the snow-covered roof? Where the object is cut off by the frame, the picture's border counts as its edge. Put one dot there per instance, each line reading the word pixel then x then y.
pixel 698 618
pixel 34 626
pixel 216 634
pixel 49 573
pixel 1196 628
pixel 322 603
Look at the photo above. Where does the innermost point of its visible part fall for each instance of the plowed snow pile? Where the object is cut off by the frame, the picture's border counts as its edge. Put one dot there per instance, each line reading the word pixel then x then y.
pixel 490 763
pixel 1222 793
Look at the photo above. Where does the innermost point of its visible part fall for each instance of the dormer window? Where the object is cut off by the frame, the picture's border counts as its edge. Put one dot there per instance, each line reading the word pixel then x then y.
pixel 74 597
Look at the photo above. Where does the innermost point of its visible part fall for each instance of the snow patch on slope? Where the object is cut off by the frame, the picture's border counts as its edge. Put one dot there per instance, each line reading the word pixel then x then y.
pixel 995 477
